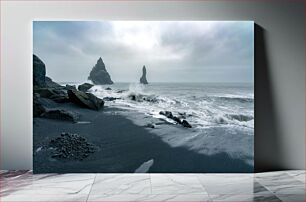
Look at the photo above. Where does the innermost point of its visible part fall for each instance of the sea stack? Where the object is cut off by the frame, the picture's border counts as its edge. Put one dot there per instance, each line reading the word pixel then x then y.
pixel 143 79
pixel 99 75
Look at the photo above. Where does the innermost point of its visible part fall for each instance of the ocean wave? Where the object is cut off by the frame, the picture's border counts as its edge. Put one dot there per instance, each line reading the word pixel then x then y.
pixel 235 119
pixel 240 117
pixel 200 111
pixel 238 99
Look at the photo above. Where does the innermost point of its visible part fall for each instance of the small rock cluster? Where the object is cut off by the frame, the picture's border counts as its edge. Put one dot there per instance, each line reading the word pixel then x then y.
pixel 169 115
pixel 71 147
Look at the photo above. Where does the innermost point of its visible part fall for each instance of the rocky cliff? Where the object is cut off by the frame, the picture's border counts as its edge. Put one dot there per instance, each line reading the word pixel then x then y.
pixel 39 72
pixel 46 91
pixel 99 75
pixel 143 78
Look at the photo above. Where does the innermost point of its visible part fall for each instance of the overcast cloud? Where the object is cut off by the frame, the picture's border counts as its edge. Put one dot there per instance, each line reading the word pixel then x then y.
pixel 198 51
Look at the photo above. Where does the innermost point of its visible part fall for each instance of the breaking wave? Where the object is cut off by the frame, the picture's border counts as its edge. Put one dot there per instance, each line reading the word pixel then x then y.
pixel 200 110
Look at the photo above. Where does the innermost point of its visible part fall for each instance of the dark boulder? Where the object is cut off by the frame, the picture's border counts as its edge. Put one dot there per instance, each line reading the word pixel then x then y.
pixel 177 119
pixel 87 100
pixel 47 103
pixel 182 115
pixel 133 97
pixel 44 92
pixel 61 114
pixel 169 115
pixel 38 108
pixel 143 78
pixel 108 88
pixel 56 95
pixel 39 72
pixel 185 124
pixel 52 84
pixel 150 125
pixel 99 75
pixel 85 87
pixel 70 87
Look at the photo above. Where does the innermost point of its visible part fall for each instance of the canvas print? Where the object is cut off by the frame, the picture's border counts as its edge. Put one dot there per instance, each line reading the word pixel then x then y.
pixel 143 96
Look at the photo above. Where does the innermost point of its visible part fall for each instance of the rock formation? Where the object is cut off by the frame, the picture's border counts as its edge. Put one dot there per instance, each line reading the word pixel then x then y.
pixel 39 72
pixel 169 115
pixel 143 78
pixel 46 91
pixel 99 75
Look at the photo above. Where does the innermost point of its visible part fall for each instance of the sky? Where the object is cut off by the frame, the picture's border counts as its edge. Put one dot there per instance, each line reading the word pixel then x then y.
pixel 172 51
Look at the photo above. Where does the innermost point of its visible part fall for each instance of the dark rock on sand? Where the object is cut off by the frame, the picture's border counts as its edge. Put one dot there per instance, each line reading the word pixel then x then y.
pixel 99 75
pixel 87 100
pixel 150 125
pixel 61 114
pixel 132 97
pixel 39 72
pixel 71 147
pixel 54 94
pixel 143 78
pixel 150 99
pixel 169 115
pixel 85 87
pixel 70 87
pixel 185 124
pixel 51 84
pixel 141 98
pixel 182 115
pixel 38 107
pixel 47 103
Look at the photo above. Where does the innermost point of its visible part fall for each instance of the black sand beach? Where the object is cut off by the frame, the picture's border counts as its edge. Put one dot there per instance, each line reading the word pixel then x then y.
pixel 123 147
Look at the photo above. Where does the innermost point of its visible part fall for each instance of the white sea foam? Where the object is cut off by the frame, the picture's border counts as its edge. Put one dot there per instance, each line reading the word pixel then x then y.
pixel 201 109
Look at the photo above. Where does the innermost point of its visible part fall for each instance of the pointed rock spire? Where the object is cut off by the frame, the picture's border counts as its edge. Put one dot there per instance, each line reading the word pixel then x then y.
pixel 99 75
pixel 143 78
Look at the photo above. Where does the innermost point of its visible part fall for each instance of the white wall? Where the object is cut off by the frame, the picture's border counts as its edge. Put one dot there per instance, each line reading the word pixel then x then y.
pixel 283 25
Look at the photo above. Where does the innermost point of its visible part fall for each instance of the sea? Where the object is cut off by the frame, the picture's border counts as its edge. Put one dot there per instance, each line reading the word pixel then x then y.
pixel 204 105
